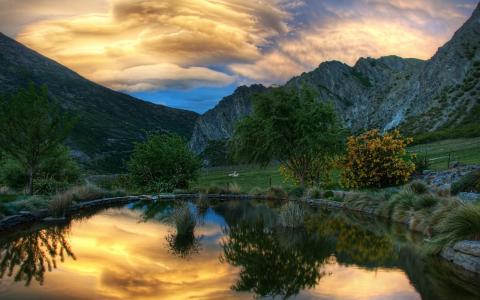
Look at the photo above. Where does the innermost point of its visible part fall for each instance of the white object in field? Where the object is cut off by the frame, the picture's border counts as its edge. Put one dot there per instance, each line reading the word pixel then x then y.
pixel 234 174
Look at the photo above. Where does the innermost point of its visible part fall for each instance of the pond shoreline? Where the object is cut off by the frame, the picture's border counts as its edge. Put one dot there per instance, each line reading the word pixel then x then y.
pixel 464 254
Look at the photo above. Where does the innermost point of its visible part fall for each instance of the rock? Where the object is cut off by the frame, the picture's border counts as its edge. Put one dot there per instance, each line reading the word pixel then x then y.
pixel 55 220
pixel 469 197
pixel 468 247
pixel 384 93
pixel 466 261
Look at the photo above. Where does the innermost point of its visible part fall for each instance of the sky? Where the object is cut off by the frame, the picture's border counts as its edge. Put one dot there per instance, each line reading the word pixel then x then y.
pixel 190 53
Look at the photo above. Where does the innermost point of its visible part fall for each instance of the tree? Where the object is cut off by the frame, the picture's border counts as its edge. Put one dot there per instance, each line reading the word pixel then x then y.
pixel 32 127
pixel 376 160
pixel 163 163
pixel 293 128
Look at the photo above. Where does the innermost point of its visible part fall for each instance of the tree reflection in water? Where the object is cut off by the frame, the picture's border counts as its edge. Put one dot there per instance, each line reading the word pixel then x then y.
pixel 274 262
pixel 29 255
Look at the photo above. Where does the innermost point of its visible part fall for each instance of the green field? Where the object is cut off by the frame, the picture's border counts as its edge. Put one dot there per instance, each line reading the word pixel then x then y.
pixel 466 151
pixel 462 150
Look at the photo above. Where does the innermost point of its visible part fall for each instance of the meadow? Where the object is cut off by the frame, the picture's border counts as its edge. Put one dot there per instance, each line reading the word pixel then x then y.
pixel 465 151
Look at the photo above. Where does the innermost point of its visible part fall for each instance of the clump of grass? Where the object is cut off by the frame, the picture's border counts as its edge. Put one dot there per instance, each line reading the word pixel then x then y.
pixel 30 203
pixel 84 193
pixel 276 192
pixel 234 188
pixel 418 187
pixel 291 215
pixel 463 223
pixel 257 191
pixel 59 205
pixel 468 183
pixel 184 219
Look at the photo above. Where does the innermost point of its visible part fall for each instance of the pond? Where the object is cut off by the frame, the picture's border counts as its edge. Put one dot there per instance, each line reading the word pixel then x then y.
pixel 237 251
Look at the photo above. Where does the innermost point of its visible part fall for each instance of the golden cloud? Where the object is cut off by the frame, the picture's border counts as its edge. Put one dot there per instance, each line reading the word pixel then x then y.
pixel 182 37
pixel 138 45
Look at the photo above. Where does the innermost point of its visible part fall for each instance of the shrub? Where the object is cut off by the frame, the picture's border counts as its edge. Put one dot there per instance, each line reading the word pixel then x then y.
pixel 468 183
pixel 314 193
pixel 376 160
pixel 12 173
pixel 421 163
pixel 328 194
pixel 184 219
pixel 291 215
pixel 296 192
pixel 276 192
pixel 54 172
pixel 48 186
pixel 163 163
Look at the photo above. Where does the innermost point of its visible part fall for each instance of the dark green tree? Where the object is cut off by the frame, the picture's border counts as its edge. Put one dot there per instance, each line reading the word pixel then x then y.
pixel 293 128
pixel 32 127
pixel 163 163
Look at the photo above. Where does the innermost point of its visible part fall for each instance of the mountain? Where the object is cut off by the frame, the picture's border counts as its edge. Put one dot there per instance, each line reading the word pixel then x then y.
pixel 416 96
pixel 109 121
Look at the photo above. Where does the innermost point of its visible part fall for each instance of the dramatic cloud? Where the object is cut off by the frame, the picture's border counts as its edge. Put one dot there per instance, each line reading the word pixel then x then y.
pixel 176 42
pixel 148 45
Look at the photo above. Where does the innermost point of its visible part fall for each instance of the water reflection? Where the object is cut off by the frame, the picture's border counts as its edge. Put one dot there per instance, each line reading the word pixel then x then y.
pixel 274 262
pixel 29 255
pixel 134 253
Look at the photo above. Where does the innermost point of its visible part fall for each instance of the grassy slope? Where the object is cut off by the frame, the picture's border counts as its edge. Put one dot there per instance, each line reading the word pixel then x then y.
pixel 463 150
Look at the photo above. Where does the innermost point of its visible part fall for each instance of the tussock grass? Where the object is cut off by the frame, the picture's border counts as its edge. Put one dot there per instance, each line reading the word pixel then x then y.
pixel 59 205
pixel 463 223
pixel 276 192
pixel 418 187
pixel 291 215
pixel 257 191
pixel 184 219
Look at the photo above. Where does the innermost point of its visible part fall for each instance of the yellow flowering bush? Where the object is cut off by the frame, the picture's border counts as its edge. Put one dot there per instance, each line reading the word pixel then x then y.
pixel 376 160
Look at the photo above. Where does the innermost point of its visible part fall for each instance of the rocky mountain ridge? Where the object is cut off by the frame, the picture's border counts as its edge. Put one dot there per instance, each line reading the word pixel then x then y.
pixel 389 92
pixel 109 121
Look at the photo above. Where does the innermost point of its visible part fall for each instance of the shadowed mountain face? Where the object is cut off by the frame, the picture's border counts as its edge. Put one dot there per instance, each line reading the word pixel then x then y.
pixel 109 122
pixel 389 92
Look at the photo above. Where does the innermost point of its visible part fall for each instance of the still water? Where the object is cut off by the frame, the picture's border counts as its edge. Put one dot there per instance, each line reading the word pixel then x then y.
pixel 236 252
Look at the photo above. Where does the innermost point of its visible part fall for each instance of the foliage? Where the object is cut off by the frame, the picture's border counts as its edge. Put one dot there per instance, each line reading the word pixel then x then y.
pixel 276 192
pixel 48 186
pixel 314 193
pixel 215 154
pixel 163 163
pixel 257 191
pixel 291 215
pixel 468 183
pixel 296 192
pixel 292 128
pixel 53 173
pixel 32 127
pixel 376 160
pixel 421 163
